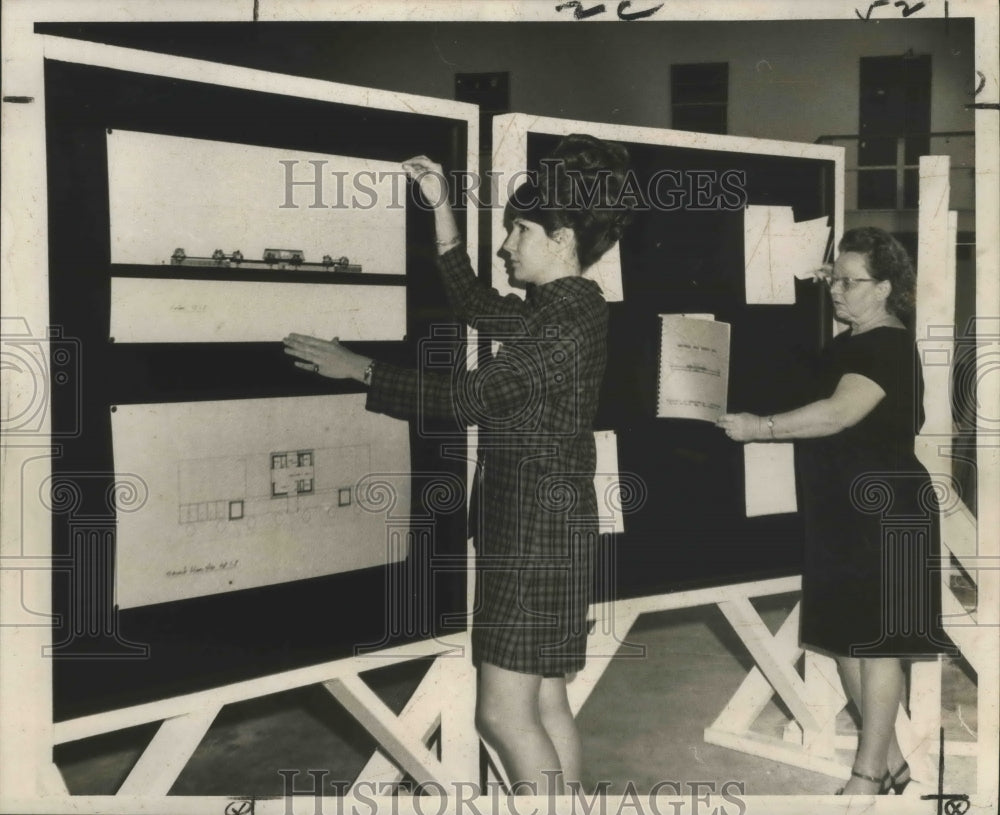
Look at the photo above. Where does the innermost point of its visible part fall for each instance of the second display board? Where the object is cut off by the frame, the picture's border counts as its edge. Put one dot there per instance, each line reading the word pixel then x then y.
pixel 685 253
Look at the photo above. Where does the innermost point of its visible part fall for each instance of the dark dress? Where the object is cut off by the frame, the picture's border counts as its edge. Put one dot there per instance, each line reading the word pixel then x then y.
pixel 871 578
pixel 534 403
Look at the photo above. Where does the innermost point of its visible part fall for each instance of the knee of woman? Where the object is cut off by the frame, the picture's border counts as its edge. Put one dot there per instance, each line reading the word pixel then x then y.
pixel 497 722
pixel 489 720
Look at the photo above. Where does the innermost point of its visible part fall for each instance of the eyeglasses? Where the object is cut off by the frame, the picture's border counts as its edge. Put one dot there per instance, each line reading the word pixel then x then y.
pixel 846 282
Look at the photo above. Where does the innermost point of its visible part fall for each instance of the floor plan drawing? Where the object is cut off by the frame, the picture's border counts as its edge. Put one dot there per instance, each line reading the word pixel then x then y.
pixel 276 493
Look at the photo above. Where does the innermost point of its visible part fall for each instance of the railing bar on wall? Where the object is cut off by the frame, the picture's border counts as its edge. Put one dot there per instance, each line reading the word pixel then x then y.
pixel 824 139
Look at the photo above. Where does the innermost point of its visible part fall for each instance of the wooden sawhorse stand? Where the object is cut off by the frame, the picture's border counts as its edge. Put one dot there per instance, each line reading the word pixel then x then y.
pixel 443 702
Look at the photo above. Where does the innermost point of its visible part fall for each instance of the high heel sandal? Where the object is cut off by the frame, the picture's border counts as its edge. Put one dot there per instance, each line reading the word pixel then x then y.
pixel 895 782
pixel 885 782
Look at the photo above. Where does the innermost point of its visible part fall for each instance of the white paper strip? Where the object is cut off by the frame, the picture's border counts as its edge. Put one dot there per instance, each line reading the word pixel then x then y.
pixel 936 292
pixel 607 482
pixel 757 253
pixel 154 310
pixel 770 478
pixel 236 494
pixel 168 192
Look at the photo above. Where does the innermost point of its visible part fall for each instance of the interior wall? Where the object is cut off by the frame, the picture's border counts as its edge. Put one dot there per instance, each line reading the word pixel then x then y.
pixel 789 80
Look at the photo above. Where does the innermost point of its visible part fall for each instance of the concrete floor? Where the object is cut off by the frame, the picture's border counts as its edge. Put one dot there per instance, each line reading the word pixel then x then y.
pixel 643 723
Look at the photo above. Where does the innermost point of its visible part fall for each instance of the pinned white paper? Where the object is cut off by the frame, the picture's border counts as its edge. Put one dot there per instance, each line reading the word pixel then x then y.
pixel 769 470
pixel 170 310
pixel 199 195
pixel 252 492
pixel 607 482
pixel 777 249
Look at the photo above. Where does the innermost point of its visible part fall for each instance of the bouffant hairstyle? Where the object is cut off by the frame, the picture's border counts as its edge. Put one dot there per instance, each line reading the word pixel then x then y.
pixel 886 259
pixel 579 187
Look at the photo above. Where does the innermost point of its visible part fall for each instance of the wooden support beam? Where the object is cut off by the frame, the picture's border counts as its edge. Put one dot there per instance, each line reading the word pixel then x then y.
pixel 405 748
pixel 822 694
pixel 756 691
pixel 166 755
pixel 113 720
pixel 772 662
pixel 455 694
pixel 923 725
pixel 444 699
pixel 421 716
pixel 825 696
pixel 975 641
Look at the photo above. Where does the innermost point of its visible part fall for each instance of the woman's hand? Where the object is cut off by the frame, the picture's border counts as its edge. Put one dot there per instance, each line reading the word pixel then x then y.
pixel 740 426
pixel 326 357
pixel 823 273
pixel 430 177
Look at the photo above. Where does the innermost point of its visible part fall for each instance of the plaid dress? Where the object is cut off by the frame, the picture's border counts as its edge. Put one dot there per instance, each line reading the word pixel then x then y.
pixel 535 510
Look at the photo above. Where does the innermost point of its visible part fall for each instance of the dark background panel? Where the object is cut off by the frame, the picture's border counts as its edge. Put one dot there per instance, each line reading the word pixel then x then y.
pixel 106 659
pixel 683 253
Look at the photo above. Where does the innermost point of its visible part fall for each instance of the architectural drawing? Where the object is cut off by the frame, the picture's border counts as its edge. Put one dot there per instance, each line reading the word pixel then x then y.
pixel 276 493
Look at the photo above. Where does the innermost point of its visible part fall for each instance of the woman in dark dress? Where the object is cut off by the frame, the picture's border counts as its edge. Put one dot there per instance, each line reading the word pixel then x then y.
pixel 534 404
pixel 870 592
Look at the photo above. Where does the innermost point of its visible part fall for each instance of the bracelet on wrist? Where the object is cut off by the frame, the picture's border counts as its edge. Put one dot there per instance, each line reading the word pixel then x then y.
pixel 770 425
pixel 367 376
pixel 450 242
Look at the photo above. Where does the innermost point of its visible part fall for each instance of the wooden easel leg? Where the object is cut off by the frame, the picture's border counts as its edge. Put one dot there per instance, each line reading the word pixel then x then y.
pixel 919 734
pixel 775 659
pixel 170 750
pixel 421 717
pixel 756 691
pixel 401 742
pixel 456 692
pixel 445 699
pixel 814 702
pixel 825 696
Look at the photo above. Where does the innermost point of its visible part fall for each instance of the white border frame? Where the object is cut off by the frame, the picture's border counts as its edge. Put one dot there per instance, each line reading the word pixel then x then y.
pixel 24 746
pixel 510 133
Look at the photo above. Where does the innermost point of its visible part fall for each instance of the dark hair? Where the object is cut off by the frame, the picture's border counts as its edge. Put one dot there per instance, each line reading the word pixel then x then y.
pixel 886 259
pixel 579 186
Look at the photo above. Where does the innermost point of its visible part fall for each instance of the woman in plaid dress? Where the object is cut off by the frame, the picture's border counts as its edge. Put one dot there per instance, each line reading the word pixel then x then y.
pixel 534 403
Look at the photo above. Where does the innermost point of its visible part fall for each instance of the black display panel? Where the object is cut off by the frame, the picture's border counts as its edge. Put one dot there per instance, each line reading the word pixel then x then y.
pixel 683 253
pixel 105 658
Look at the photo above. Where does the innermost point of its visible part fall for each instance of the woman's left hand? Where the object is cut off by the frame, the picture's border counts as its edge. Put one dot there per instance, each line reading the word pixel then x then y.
pixel 429 176
pixel 326 357
pixel 823 273
pixel 740 426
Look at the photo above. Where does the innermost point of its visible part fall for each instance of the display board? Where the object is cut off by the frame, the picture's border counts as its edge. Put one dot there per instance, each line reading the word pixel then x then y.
pixel 711 211
pixel 218 489
pixel 254 492
pixel 350 209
